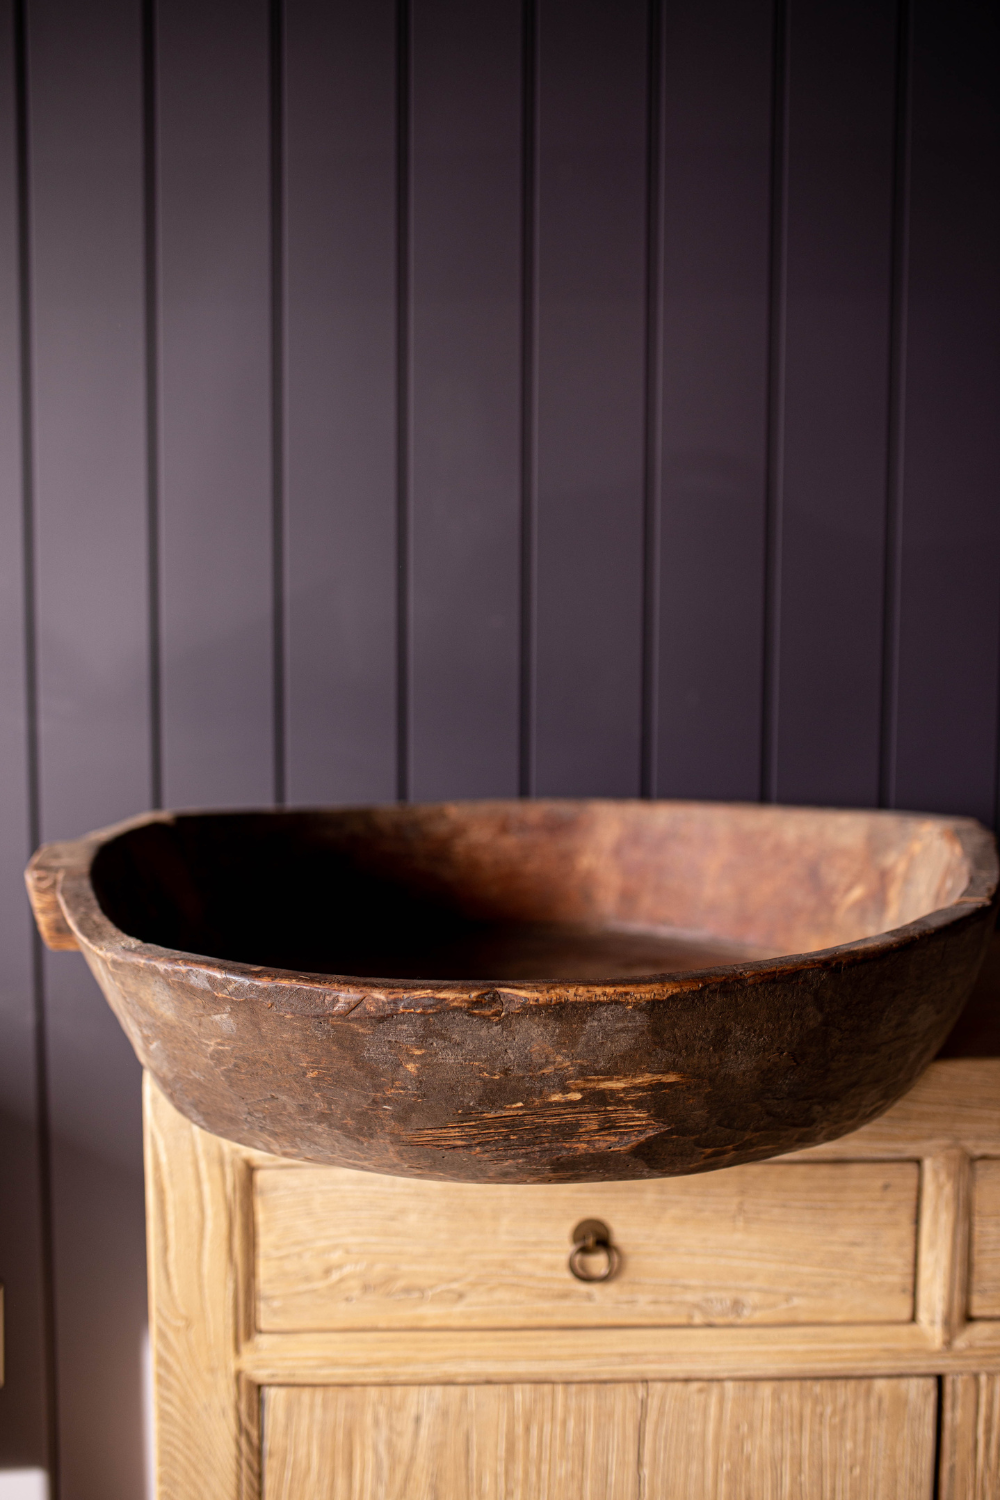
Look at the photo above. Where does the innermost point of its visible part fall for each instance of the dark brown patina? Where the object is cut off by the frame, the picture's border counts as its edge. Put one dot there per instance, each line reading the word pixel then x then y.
pixel 529 991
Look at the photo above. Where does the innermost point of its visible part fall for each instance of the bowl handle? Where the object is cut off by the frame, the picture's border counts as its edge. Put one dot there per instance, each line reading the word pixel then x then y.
pixel 43 877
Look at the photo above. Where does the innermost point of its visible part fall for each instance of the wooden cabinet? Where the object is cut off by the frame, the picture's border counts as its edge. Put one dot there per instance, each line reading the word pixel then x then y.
pixel 777 1330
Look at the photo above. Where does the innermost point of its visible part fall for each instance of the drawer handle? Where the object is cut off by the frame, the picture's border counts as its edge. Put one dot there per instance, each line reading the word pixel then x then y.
pixel 592 1237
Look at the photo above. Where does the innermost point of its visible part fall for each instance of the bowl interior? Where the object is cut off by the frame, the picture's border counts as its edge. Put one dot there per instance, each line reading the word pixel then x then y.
pixel 523 890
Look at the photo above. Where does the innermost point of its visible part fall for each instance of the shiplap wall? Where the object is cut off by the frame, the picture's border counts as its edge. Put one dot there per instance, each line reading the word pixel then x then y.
pixel 440 399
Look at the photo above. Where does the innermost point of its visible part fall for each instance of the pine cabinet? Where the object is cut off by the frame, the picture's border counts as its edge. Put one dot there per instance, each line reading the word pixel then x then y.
pixel 826 1324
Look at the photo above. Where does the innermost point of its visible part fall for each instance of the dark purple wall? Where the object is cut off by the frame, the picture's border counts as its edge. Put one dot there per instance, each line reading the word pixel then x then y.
pixel 447 399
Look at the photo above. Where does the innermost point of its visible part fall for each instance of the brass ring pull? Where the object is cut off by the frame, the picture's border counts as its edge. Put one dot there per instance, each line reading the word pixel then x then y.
pixel 592 1237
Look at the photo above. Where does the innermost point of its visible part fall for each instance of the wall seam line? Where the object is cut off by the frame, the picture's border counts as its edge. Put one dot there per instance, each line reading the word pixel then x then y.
pixel 896 424
pixel 653 377
pixel 403 417
pixel 32 727
pixel 774 466
pixel 151 276
pixel 276 104
pixel 529 395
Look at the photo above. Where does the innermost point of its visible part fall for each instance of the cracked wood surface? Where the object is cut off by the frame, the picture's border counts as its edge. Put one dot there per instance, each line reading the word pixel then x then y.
pixel 396 988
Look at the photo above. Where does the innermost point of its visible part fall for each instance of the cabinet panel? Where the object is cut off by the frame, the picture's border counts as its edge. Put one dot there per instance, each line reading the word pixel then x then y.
pixel 778 1439
pixel 831 1242
pixel 984 1289
pixel 970 1438
pixel 486 1442
pixel 693 1440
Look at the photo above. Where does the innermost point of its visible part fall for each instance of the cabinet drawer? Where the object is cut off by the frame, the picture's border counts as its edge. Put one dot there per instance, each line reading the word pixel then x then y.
pixel 829 1242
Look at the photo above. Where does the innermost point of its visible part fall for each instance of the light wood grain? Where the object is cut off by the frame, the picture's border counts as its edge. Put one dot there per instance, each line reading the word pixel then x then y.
pixel 471 1356
pixel 205 1438
pixel 757 1244
pixel 954 1104
pixel 970 1438
pixel 943 1257
pixel 211 1360
pixel 984 1292
pixel 790 1440
pixel 549 1442
pixel 726 1440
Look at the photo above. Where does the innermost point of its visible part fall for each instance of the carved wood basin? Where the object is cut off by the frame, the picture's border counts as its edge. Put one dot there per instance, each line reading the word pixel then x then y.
pixel 529 991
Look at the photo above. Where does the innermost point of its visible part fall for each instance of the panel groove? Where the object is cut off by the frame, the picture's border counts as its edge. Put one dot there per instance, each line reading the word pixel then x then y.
pixel 340 247
pixel 151 332
pixel 33 789
pixel 653 467
pixel 403 399
pixel 897 405
pixel 938 1431
pixel 774 482
pixel 529 380
pixel 277 209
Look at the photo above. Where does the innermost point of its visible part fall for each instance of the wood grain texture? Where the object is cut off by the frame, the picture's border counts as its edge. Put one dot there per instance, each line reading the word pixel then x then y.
pixel 955 1104
pixel 852 1440
pixel 368 981
pixel 970 1438
pixel 516 1403
pixel 943 1246
pixel 453 1442
pixel 205 1439
pixel 984 1291
pixel 757 1244
pixel 432 1356
pixel 773 1440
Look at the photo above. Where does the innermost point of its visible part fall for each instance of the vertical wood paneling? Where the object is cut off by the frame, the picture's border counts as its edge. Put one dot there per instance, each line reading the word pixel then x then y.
pixel 712 337
pixel 772 1439
pixel 84 88
pixel 298 318
pixel 340 208
pixel 465 368
pixel 427 1442
pixel 949 580
pixel 215 401
pixel 23 1403
pixel 838 243
pixel 591 345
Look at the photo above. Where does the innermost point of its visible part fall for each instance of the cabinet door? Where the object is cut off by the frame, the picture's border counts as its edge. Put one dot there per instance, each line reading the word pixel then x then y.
pixel 685 1440
pixel 459 1442
pixel 790 1440
pixel 970 1438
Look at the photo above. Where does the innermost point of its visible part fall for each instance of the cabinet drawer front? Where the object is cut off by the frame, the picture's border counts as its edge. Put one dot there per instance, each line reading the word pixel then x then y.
pixel 830 1242
pixel 984 1290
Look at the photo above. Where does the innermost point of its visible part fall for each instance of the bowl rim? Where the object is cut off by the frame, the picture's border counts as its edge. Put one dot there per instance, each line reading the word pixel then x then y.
pixel 69 916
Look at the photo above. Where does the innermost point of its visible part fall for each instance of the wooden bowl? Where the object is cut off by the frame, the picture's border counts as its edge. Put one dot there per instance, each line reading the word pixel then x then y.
pixel 529 991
